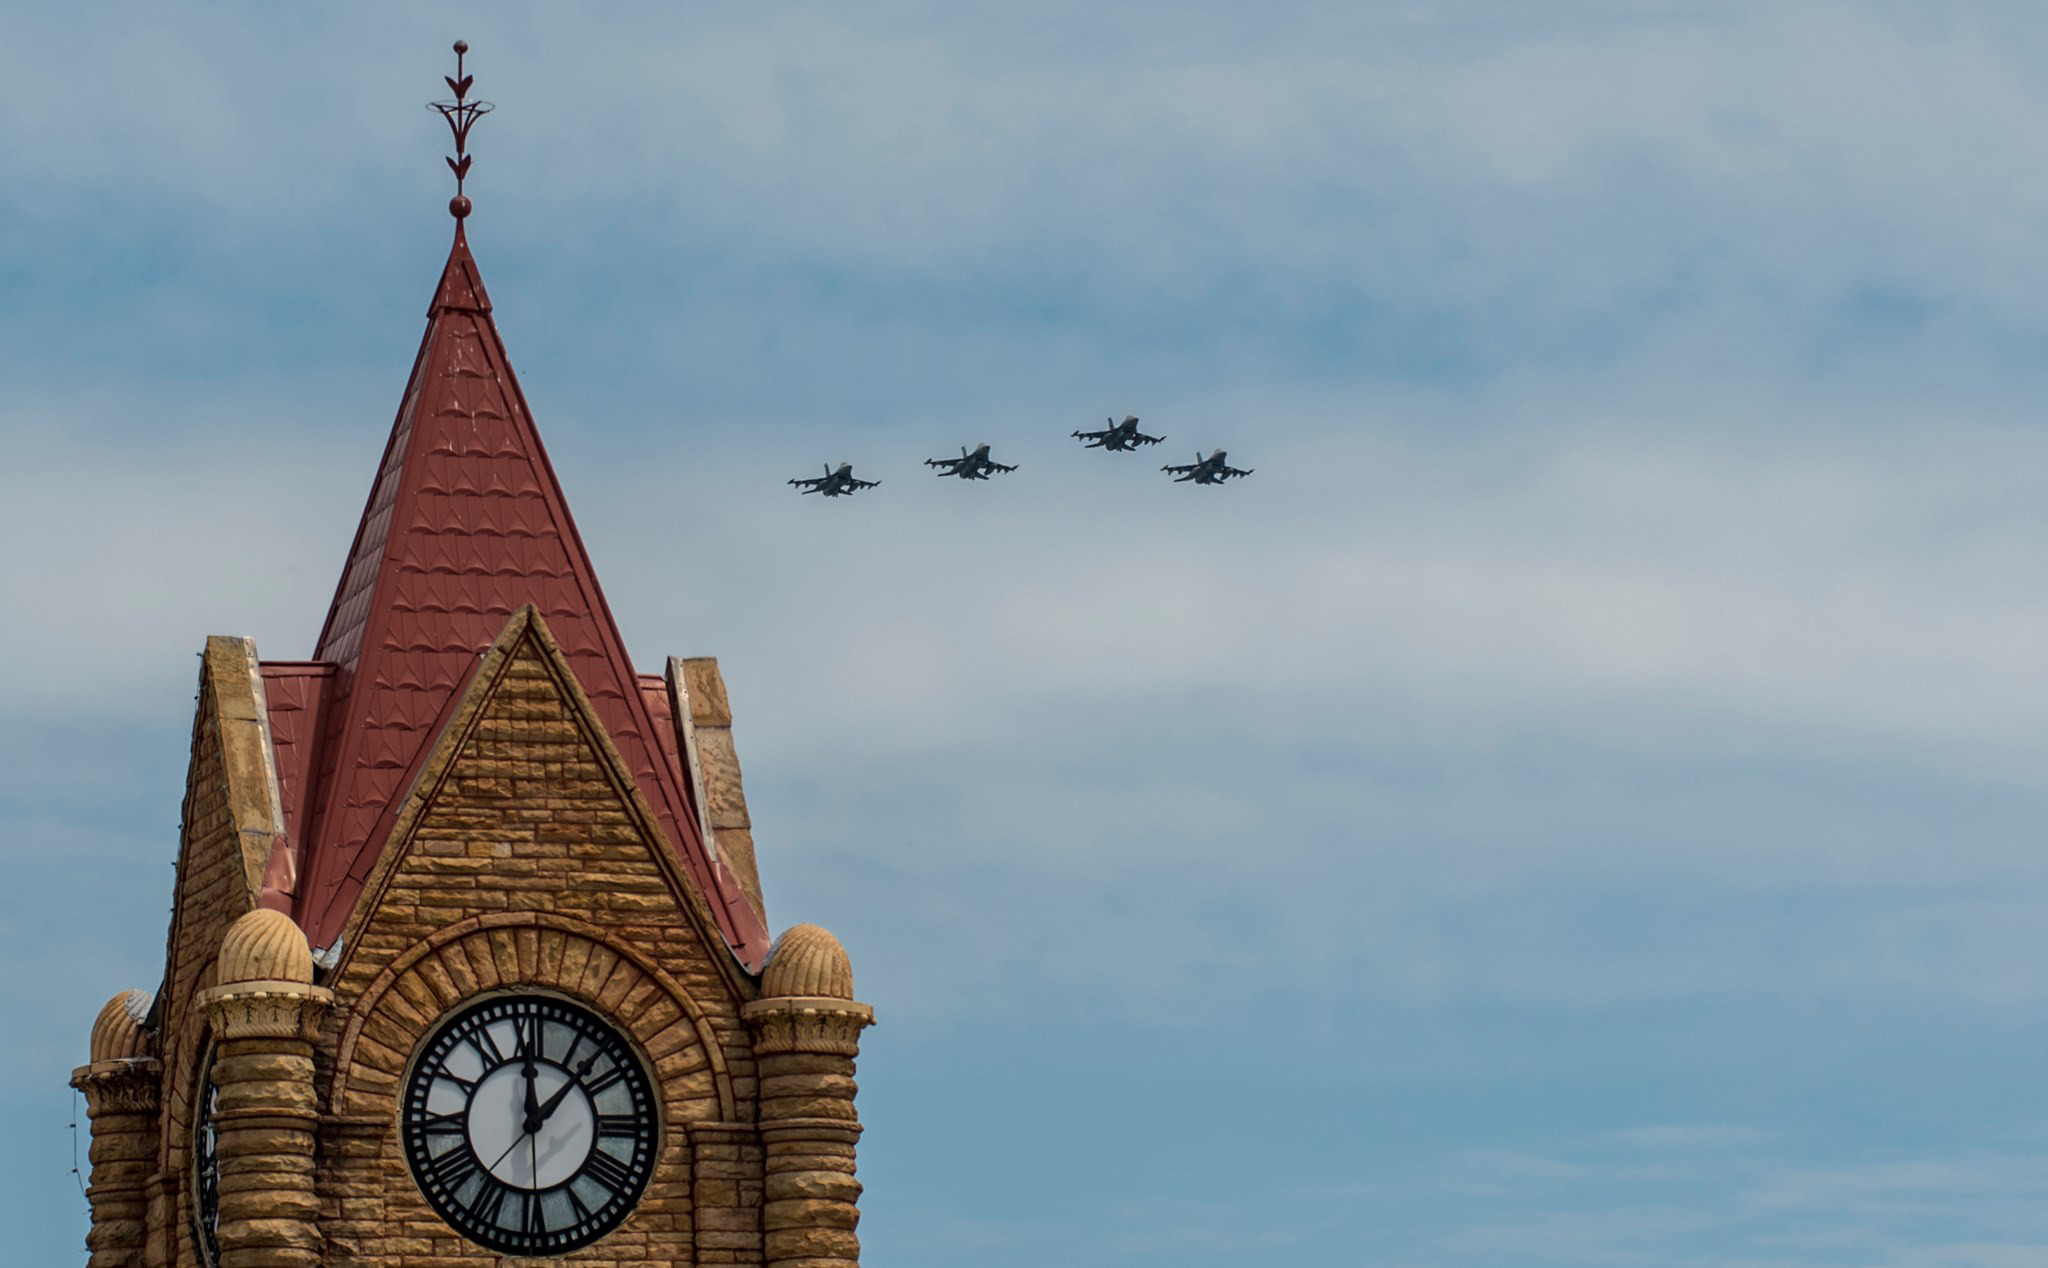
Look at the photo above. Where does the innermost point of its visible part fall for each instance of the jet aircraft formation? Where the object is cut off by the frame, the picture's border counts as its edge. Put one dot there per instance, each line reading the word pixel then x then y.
pixel 1118 437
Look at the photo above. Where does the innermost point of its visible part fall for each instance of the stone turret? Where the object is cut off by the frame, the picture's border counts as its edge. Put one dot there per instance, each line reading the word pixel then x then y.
pixel 264 1016
pixel 121 1086
pixel 806 1028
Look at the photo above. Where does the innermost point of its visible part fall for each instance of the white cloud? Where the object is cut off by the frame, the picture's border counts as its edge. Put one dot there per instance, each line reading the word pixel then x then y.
pixel 1654 606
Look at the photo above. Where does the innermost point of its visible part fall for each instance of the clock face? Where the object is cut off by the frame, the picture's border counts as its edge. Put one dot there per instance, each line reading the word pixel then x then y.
pixel 206 1166
pixel 529 1124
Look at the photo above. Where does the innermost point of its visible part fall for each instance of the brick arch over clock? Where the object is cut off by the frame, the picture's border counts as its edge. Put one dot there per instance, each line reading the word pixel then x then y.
pixel 368 1191
pixel 508 950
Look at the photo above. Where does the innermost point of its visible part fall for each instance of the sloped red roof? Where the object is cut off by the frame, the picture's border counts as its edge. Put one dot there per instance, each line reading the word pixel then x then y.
pixel 465 523
pixel 654 694
pixel 295 692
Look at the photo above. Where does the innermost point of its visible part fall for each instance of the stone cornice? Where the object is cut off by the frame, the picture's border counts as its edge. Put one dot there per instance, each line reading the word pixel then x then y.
pixel 807 1023
pixel 265 1010
pixel 835 1130
pixel 125 1085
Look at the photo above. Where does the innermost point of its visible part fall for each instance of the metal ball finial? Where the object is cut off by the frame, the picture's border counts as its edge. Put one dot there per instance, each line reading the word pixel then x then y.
pixel 461 47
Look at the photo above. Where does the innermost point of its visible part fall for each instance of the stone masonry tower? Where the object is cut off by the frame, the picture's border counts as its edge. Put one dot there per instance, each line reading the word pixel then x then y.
pixel 468 959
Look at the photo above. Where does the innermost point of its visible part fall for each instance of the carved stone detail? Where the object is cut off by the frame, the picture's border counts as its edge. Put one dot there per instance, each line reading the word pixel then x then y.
pixel 125 1085
pixel 807 1024
pixel 265 1010
pixel 121 1095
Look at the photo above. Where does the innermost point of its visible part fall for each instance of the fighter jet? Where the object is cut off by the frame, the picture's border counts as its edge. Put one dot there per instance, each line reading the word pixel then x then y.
pixel 968 466
pixel 1209 470
pixel 1123 436
pixel 834 483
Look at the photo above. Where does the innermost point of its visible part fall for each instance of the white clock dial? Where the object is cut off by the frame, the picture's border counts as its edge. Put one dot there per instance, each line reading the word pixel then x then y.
pixel 529 1124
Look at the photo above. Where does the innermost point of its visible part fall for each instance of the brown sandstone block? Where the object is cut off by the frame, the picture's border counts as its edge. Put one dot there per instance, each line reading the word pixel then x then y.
pixel 384 1028
pixel 795 1213
pixel 713 1193
pixel 377 1059
pixel 724 1219
pixel 526 953
pixel 415 992
pixel 455 963
pixel 575 960
pixel 596 970
pixel 830 1186
pixel 625 975
pixel 806 1084
pixel 728 1239
pixel 503 956
pixel 289 1233
pixel 822 1242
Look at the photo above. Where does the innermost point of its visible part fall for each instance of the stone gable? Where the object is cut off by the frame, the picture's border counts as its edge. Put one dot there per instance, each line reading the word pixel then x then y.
pixel 526 859
pixel 230 821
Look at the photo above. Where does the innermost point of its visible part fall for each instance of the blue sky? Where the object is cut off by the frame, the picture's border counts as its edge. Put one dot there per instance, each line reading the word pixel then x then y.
pixel 1579 803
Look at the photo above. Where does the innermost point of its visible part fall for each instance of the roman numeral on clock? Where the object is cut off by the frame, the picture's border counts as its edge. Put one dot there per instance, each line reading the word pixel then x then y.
pixel 488 1201
pixel 618 1125
pixel 467 1085
pixel 486 1046
pixel 605 1080
pixel 608 1171
pixel 454 1168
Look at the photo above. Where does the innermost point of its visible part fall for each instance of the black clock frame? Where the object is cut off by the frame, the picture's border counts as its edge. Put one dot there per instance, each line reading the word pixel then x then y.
pixel 206 1163
pixel 445 1174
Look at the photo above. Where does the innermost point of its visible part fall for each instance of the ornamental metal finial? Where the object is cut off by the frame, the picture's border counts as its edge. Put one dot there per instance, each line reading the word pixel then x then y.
pixel 461 115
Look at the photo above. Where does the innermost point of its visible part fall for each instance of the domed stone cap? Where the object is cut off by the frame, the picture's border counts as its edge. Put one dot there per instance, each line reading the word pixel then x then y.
pixel 806 960
pixel 118 1031
pixel 265 946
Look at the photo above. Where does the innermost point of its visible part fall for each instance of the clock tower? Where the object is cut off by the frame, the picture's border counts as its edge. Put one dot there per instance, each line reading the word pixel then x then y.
pixel 468 960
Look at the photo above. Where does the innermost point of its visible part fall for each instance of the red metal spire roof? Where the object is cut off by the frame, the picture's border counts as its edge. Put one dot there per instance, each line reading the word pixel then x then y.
pixel 465 523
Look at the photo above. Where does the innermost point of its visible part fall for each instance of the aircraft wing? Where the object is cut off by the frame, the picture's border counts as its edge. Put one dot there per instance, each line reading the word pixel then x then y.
pixel 1002 466
pixel 861 484
pixel 1237 471
pixel 1140 438
pixel 1180 470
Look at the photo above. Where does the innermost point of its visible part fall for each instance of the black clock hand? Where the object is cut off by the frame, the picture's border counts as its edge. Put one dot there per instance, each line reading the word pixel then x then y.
pixel 531 1070
pixel 548 1107
pixel 493 1168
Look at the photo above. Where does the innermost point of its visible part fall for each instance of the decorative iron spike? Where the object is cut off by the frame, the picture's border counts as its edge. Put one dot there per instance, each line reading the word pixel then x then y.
pixel 461 115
